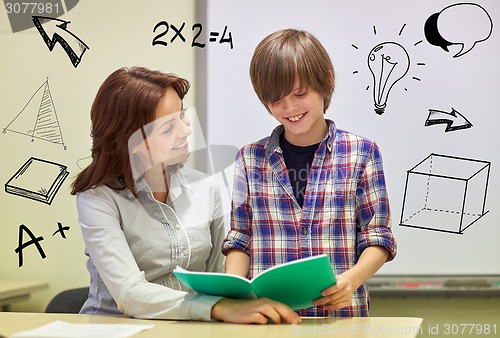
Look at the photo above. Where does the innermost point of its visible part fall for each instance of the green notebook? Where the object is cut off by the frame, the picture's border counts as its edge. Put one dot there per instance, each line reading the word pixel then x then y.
pixel 297 283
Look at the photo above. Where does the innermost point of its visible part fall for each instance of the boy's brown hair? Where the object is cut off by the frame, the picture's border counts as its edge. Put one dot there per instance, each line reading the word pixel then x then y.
pixel 287 54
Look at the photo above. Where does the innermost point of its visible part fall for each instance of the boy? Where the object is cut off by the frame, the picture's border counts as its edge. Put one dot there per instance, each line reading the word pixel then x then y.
pixel 309 188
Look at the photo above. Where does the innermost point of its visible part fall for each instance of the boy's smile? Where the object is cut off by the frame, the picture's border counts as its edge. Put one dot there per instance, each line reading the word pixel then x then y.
pixel 296 118
pixel 302 114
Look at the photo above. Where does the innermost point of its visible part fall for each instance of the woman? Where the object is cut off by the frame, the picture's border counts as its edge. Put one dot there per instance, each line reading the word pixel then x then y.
pixel 142 212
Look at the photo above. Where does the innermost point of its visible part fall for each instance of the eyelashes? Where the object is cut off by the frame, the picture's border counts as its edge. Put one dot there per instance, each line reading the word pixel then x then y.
pixel 298 95
pixel 171 126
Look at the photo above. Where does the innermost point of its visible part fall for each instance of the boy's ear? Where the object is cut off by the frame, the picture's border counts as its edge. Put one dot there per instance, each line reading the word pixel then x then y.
pixel 332 81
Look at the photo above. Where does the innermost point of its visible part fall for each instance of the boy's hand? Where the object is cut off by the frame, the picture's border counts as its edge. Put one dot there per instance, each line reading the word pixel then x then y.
pixel 337 296
pixel 256 311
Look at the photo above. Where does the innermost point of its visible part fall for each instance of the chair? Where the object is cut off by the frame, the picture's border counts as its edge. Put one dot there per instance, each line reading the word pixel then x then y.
pixel 68 301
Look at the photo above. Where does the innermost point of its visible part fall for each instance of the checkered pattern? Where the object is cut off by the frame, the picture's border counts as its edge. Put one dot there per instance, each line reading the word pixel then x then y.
pixel 346 208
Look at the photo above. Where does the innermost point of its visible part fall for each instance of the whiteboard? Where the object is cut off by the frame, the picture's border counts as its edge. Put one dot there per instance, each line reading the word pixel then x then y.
pixel 438 133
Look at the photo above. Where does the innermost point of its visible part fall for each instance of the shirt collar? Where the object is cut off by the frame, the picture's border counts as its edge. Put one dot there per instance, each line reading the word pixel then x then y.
pixel 177 182
pixel 273 143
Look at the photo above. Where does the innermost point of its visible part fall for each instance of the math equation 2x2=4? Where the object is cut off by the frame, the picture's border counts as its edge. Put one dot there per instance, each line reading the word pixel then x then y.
pixel 165 30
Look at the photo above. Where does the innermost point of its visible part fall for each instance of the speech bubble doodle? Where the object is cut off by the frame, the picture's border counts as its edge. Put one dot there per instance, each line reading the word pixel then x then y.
pixel 463 24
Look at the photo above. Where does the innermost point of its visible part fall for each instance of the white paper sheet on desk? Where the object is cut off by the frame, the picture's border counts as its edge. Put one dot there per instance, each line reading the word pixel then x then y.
pixel 60 329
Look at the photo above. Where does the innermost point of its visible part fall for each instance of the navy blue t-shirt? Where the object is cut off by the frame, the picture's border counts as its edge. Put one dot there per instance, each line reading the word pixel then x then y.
pixel 298 161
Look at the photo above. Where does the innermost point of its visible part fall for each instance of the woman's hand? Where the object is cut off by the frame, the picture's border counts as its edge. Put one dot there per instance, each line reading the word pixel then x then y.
pixel 258 311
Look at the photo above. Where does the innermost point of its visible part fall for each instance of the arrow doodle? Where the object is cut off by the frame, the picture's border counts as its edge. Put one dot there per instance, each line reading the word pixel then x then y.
pixel 454 120
pixel 62 37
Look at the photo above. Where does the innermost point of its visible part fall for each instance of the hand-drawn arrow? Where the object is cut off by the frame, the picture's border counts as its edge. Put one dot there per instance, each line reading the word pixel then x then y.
pixel 453 119
pixel 62 36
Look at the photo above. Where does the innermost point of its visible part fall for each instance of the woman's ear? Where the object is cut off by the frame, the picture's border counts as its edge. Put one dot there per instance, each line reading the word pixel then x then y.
pixel 139 153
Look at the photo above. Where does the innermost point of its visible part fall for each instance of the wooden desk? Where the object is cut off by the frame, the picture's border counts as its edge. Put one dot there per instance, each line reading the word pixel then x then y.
pixel 12 322
pixel 12 291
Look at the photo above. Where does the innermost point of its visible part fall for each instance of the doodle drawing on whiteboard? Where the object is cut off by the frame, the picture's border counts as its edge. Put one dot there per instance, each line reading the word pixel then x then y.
pixel 388 62
pixel 38 119
pixel 38 180
pixel 461 24
pixel 70 43
pixel 453 119
pixel 445 193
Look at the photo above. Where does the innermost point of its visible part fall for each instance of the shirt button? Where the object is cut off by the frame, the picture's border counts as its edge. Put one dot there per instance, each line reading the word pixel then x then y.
pixel 304 231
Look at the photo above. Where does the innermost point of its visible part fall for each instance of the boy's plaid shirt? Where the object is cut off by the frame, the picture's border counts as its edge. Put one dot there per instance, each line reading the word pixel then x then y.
pixel 346 208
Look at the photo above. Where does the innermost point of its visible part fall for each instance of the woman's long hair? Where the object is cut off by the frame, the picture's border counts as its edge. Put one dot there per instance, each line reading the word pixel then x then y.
pixel 126 101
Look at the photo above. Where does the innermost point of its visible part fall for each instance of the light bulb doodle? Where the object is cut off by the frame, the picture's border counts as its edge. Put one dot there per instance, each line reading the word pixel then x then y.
pixel 388 62
pixel 397 54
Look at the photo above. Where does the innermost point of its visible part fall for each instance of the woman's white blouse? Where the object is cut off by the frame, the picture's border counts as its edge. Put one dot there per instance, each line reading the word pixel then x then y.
pixel 134 243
